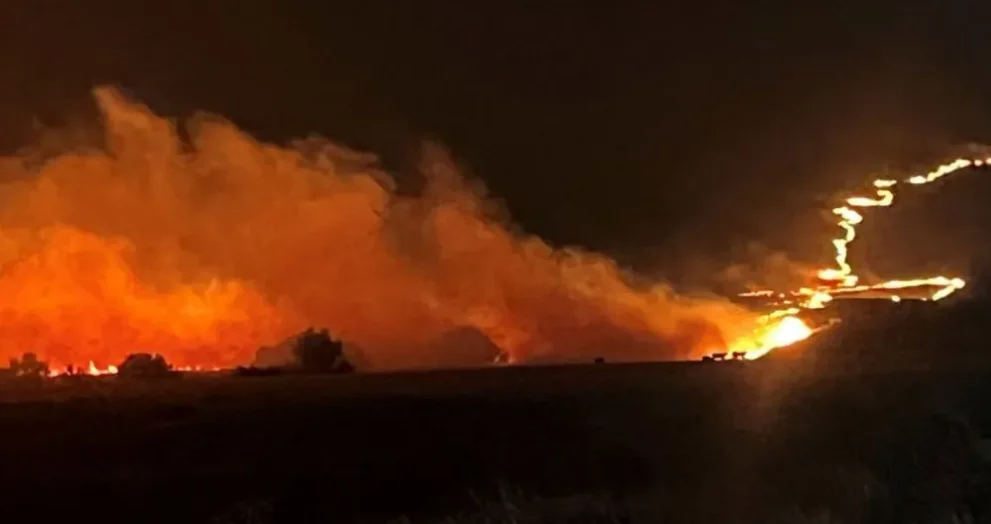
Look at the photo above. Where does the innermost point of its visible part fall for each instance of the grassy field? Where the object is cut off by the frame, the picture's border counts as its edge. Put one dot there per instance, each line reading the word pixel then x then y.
pixel 686 442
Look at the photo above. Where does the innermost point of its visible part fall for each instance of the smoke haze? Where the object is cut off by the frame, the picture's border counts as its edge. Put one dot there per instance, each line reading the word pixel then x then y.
pixel 203 244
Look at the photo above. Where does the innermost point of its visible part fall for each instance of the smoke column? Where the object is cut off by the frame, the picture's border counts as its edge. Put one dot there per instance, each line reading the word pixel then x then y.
pixel 203 244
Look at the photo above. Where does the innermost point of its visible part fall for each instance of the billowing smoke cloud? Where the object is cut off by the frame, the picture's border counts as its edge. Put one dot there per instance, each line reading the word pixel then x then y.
pixel 203 244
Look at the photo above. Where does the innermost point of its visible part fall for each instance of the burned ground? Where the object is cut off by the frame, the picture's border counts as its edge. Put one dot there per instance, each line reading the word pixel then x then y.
pixel 758 438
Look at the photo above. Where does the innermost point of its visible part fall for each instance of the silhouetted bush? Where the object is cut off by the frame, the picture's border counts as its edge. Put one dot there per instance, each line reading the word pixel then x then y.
pixel 144 365
pixel 29 366
pixel 316 352
pixel 310 351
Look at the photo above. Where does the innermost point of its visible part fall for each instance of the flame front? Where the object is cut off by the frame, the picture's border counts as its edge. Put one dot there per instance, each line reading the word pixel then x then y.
pixel 782 327
pixel 92 370
pixel 205 245
pixel 54 312
pixel 779 333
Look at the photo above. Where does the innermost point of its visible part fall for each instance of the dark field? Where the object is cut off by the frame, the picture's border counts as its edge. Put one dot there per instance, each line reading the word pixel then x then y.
pixel 682 442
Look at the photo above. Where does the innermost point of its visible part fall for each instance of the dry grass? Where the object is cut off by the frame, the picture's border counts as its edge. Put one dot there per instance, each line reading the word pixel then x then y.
pixel 719 445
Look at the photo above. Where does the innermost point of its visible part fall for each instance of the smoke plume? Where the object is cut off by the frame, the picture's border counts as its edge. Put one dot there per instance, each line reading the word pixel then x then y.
pixel 201 243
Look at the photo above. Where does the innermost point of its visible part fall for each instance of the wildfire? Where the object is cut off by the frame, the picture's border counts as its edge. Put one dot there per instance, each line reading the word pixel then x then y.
pixel 196 241
pixel 782 327
pixel 780 333
pixel 92 370
pixel 203 244
pixel 74 293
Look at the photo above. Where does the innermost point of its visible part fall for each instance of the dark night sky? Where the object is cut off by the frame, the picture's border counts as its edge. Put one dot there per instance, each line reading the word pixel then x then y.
pixel 642 128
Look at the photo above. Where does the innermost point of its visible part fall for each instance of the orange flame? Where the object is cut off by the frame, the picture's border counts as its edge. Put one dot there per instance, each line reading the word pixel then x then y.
pixel 93 370
pixel 205 245
pixel 76 295
pixel 90 370
pixel 787 329
pixel 842 274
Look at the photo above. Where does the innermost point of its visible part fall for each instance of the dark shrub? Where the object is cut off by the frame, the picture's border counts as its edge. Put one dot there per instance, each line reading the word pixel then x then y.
pixel 144 365
pixel 316 352
pixel 310 351
pixel 29 366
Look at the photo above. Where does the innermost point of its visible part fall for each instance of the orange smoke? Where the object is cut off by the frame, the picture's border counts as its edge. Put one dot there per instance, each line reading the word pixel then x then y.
pixel 72 296
pixel 205 248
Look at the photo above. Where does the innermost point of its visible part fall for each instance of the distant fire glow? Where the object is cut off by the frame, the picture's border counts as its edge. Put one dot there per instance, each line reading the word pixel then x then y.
pixel 787 329
pixel 203 244
pixel 91 370
pixel 781 333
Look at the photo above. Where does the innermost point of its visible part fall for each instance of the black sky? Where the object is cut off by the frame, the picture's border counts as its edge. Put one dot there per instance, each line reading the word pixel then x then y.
pixel 642 128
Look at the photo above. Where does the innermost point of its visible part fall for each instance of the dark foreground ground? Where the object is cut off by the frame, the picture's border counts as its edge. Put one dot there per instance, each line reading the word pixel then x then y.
pixel 684 442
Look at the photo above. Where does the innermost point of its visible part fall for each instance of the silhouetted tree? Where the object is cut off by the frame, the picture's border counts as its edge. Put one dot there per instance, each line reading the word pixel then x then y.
pixel 315 351
pixel 29 366
pixel 144 365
